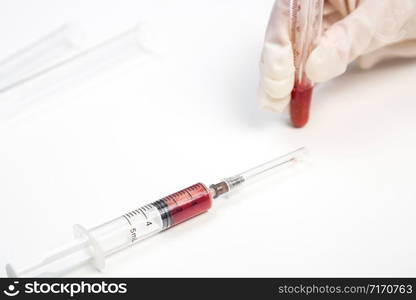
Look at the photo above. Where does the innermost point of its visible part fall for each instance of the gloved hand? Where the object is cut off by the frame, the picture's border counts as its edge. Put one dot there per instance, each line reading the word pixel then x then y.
pixel 370 30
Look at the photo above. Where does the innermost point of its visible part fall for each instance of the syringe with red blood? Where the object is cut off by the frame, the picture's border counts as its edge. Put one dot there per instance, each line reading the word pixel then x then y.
pixel 94 245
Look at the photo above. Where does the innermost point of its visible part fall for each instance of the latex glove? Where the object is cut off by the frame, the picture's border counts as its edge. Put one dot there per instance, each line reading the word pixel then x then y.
pixel 370 30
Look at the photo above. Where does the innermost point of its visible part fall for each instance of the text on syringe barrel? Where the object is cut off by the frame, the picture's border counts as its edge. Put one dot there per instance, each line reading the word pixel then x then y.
pixel 153 218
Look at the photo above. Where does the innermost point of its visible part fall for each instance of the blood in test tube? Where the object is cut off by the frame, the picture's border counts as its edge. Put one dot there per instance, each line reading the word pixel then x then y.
pixel 300 104
pixel 183 205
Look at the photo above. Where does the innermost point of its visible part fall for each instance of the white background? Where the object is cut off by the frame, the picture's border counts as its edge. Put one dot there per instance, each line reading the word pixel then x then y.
pixel 190 114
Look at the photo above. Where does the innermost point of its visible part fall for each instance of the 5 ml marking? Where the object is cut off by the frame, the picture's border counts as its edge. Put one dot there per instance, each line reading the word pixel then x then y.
pixel 133 234
pixel 132 216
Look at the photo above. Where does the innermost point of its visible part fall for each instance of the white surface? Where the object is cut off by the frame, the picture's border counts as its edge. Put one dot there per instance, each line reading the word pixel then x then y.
pixel 191 115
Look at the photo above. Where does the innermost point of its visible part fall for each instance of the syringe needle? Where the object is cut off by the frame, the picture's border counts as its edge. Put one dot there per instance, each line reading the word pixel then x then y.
pixel 264 169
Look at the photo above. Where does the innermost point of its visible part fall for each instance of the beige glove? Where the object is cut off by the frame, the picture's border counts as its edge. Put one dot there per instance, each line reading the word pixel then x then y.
pixel 370 30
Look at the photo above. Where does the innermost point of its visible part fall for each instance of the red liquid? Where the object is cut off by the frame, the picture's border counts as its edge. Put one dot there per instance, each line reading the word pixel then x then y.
pixel 188 203
pixel 300 104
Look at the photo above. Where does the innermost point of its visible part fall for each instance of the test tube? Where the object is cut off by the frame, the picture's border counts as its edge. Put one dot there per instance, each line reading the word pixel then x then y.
pixel 304 30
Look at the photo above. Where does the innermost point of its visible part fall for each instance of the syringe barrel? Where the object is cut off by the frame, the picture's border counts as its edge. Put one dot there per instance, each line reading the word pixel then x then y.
pixel 152 218
pixel 95 244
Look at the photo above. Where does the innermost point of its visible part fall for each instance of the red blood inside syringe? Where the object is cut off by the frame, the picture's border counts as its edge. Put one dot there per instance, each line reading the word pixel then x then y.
pixel 300 103
pixel 188 203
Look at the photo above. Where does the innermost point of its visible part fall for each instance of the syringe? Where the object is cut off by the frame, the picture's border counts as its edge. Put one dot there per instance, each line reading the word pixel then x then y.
pixel 93 246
